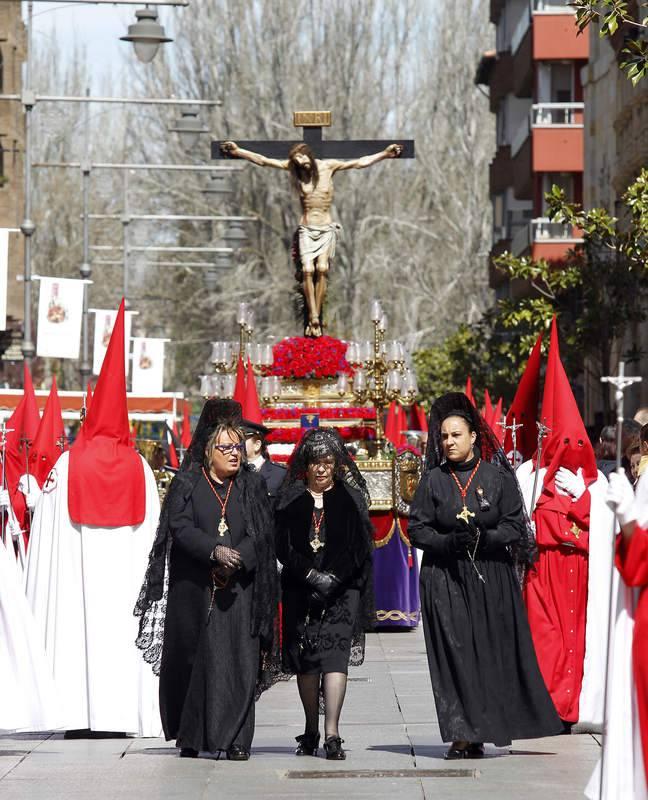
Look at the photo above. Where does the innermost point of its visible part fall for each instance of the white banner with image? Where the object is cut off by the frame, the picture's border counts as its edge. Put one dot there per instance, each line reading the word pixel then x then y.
pixel 60 310
pixel 148 365
pixel 104 323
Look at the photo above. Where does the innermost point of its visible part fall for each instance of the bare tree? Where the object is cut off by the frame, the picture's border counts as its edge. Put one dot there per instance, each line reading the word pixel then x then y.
pixel 416 233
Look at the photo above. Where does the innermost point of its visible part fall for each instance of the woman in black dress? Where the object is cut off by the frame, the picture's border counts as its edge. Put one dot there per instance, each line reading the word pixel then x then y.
pixel 467 517
pixel 208 602
pixel 324 542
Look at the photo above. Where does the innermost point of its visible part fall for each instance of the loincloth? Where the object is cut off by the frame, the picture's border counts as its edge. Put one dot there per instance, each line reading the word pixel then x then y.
pixel 315 240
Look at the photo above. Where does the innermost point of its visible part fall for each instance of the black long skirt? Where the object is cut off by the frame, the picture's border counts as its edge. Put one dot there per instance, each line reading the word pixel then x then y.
pixel 326 647
pixel 218 709
pixel 485 675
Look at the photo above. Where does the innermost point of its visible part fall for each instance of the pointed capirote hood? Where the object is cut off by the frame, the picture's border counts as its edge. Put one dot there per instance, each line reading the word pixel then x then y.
pixel 106 478
pixel 31 417
pixel 251 407
pixel 23 426
pixel 186 424
pixel 469 391
pixel 524 408
pixel 239 385
pixel 567 445
pixel 50 440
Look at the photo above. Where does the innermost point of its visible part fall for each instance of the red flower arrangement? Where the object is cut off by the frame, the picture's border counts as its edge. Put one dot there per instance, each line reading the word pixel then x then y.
pixel 299 357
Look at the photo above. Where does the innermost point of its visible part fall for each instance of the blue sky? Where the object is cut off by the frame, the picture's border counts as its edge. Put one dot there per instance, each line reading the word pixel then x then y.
pixel 98 27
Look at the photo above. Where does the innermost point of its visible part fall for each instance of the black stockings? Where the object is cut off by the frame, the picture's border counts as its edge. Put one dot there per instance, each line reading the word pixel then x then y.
pixel 334 684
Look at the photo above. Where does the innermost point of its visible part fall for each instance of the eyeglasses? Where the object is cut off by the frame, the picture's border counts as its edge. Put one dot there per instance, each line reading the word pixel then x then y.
pixel 226 449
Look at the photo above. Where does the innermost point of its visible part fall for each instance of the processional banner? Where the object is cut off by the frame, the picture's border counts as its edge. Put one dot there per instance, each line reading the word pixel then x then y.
pixel 148 365
pixel 60 310
pixel 104 323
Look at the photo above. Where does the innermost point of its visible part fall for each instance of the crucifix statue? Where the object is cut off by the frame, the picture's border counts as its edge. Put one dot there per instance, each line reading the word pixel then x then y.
pixel 312 163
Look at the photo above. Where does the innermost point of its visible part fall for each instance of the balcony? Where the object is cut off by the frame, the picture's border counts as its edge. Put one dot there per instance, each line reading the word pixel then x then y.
pixel 558 140
pixel 542 238
pixel 555 33
pixel 557 114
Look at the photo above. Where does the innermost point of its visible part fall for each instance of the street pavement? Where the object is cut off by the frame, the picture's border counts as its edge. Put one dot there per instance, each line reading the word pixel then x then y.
pixel 391 736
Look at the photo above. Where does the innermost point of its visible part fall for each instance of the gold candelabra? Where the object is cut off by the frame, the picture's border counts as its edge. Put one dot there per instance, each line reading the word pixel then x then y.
pixel 225 357
pixel 382 374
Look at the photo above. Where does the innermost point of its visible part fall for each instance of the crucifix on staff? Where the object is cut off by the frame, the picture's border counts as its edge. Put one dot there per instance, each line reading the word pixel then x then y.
pixel 312 164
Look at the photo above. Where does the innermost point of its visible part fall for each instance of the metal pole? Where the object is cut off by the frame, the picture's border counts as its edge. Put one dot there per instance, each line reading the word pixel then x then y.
pixel 86 267
pixel 125 223
pixel 156 167
pixel 28 226
pixel 176 3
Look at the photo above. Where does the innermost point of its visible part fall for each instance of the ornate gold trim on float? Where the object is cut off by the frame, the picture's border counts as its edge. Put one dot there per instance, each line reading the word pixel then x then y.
pixel 397 616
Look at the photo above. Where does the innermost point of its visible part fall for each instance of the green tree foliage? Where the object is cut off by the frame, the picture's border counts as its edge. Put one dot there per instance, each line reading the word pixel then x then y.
pixel 610 15
pixel 599 293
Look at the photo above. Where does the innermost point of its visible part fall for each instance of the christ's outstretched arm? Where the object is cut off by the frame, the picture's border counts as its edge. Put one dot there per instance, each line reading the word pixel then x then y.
pixel 232 149
pixel 393 151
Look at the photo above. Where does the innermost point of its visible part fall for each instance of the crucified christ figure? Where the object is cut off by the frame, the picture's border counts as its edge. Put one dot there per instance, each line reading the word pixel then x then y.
pixel 317 234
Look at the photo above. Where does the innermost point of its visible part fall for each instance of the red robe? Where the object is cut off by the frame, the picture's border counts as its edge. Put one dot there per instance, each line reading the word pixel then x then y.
pixel 632 563
pixel 556 596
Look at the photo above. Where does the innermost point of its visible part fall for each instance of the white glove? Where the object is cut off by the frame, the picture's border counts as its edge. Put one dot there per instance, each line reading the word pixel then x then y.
pixel 4 498
pixel 32 497
pixel 568 482
pixel 621 499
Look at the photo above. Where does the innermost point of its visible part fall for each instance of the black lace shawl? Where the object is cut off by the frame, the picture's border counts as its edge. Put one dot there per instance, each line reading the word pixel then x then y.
pixel 524 551
pixel 259 525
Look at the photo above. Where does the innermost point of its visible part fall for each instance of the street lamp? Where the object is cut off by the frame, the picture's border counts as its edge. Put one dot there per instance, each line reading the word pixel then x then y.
pixel 146 34
pixel 217 184
pixel 235 235
pixel 188 127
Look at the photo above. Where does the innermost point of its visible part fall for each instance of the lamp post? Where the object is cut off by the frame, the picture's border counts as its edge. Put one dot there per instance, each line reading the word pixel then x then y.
pixel 29 99
pixel 381 375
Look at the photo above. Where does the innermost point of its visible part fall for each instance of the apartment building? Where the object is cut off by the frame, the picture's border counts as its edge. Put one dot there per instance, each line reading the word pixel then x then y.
pixel 535 90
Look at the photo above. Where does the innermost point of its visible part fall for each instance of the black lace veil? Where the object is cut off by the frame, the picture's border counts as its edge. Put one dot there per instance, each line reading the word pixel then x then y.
pixel 316 444
pixel 257 513
pixel 457 404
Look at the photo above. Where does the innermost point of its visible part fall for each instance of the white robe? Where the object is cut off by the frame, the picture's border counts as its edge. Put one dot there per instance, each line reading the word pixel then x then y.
pixel 82 583
pixel 28 700
pixel 601 544
pixel 625 776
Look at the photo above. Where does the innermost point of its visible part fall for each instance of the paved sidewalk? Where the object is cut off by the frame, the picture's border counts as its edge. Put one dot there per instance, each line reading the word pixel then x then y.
pixel 392 740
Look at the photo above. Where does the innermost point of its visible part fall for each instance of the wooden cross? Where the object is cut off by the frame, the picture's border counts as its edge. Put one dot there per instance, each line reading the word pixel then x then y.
pixel 311 123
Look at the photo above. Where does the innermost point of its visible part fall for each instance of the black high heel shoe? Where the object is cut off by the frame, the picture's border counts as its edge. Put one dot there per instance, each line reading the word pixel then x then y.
pixel 455 752
pixel 307 744
pixel 333 747
pixel 475 750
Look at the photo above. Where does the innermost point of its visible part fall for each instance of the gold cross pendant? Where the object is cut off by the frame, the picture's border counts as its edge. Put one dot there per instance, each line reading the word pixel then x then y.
pixel 575 530
pixel 222 527
pixel 317 543
pixel 465 514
